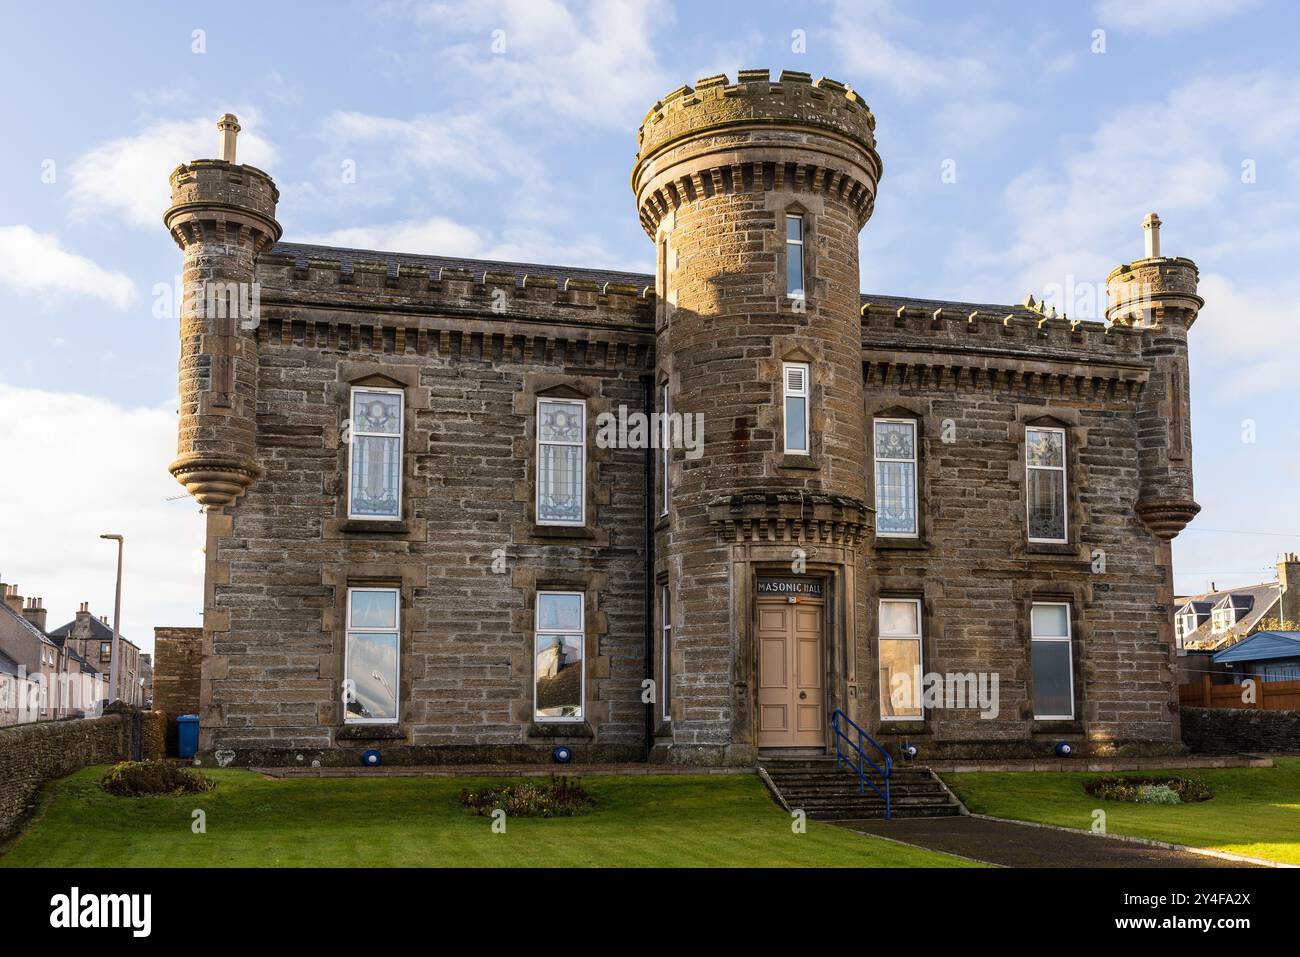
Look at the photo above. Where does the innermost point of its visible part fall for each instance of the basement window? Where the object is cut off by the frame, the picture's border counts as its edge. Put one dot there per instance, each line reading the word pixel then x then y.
pixel 375 455
pixel 558 647
pixel 561 461
pixel 1052 661
pixel 370 673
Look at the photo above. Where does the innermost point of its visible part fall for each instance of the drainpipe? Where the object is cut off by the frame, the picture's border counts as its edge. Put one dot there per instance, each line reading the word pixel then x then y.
pixel 648 387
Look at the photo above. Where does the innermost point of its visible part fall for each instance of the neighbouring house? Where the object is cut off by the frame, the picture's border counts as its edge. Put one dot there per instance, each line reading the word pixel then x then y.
pixel 20 694
pixel 467 509
pixel 67 684
pixel 1222 617
pixel 146 680
pixel 1264 656
pixel 92 639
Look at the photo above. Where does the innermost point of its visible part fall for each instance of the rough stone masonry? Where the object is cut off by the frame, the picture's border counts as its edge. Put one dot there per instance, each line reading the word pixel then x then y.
pixel 440 629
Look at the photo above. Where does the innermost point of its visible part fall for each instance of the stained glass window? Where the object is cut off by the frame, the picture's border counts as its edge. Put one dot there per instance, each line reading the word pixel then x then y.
pixel 561 461
pixel 375 455
pixel 895 455
pixel 373 653
pixel 1045 484
pixel 558 681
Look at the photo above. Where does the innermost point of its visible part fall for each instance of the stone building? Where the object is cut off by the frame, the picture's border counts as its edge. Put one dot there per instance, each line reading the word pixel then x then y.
pixel 91 639
pixel 466 510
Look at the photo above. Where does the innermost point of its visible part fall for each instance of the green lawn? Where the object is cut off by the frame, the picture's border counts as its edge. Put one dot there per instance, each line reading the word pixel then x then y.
pixel 1254 811
pixel 662 820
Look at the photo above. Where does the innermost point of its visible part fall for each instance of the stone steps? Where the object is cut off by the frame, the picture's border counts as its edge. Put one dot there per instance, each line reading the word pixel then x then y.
pixel 815 786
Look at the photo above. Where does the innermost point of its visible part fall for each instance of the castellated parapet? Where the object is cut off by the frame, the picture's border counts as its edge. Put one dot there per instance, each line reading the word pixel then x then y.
pixel 222 215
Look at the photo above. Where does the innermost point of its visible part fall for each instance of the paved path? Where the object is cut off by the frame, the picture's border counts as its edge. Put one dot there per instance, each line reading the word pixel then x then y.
pixel 1021 845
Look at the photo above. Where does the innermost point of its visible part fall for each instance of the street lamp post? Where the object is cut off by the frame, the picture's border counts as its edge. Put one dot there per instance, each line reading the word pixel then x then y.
pixel 117 622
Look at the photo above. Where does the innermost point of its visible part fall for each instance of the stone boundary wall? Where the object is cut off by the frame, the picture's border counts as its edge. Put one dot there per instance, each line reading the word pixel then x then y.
pixel 178 656
pixel 31 755
pixel 1238 730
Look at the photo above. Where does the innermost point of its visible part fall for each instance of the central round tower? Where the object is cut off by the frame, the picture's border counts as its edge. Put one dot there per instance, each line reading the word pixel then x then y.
pixel 754 194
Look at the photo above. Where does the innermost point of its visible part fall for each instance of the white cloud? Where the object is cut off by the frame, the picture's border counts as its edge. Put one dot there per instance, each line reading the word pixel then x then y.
pixel 1168 16
pixel 1078 212
pixel 89 466
pixel 591 63
pixel 36 264
pixel 127 177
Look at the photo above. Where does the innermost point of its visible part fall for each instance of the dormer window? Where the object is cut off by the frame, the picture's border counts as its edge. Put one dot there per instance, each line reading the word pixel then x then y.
pixel 1223 617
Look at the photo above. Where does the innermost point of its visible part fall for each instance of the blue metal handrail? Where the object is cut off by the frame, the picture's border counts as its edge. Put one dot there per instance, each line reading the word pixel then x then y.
pixel 843 759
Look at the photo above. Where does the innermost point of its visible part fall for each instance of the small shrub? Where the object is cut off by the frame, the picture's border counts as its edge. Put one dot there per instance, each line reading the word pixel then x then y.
pixel 143 778
pixel 1149 790
pixel 558 797
pixel 1158 794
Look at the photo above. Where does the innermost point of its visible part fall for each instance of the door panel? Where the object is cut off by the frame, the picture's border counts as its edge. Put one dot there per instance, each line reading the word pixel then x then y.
pixel 791 700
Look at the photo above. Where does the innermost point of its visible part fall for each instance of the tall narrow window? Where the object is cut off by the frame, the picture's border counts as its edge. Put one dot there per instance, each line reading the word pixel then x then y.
pixel 895 478
pixel 796 407
pixel 561 461
pixel 370 671
pixel 1045 484
pixel 900 659
pixel 1051 659
pixel 375 455
pixel 557 656
pixel 665 456
pixel 666 651
pixel 794 282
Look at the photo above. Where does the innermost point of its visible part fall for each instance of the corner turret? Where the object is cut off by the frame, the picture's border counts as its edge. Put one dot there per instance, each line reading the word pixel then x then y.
pixel 1157 295
pixel 222 215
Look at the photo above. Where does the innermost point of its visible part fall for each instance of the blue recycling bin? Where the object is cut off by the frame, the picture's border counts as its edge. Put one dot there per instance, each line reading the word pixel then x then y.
pixel 187 735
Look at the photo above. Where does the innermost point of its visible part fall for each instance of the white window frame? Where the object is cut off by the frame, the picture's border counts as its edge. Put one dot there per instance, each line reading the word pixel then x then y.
pixel 916 465
pixel 582 669
pixel 1069 643
pixel 1065 483
pixel 805 394
pixel 665 457
pixel 582 462
pixel 347 640
pixel 919 638
pixel 401 446
pixel 666 651
pixel 794 247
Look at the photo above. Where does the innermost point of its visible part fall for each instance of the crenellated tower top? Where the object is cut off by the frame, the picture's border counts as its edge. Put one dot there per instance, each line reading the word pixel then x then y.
pixel 792 133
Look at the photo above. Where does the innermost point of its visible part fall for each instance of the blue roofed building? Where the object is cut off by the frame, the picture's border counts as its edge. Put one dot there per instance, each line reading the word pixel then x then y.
pixel 1264 656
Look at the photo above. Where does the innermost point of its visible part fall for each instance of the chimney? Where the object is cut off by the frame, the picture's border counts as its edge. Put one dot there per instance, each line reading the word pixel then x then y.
pixel 1151 229
pixel 1288 577
pixel 13 599
pixel 229 127
pixel 35 613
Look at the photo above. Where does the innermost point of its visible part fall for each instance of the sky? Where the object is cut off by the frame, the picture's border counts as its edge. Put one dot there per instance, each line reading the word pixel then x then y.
pixel 1022 143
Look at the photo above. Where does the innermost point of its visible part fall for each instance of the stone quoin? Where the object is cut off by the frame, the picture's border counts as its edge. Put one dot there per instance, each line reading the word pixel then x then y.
pixel 415 542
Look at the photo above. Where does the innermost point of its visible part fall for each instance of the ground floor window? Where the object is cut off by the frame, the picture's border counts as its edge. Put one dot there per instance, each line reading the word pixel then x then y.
pixel 370 678
pixel 900 659
pixel 666 632
pixel 558 681
pixel 1052 661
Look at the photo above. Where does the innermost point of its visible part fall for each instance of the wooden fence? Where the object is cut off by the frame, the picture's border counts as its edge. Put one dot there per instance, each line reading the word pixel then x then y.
pixel 1269 695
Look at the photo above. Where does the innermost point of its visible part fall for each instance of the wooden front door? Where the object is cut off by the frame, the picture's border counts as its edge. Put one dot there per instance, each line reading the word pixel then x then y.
pixel 791 676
